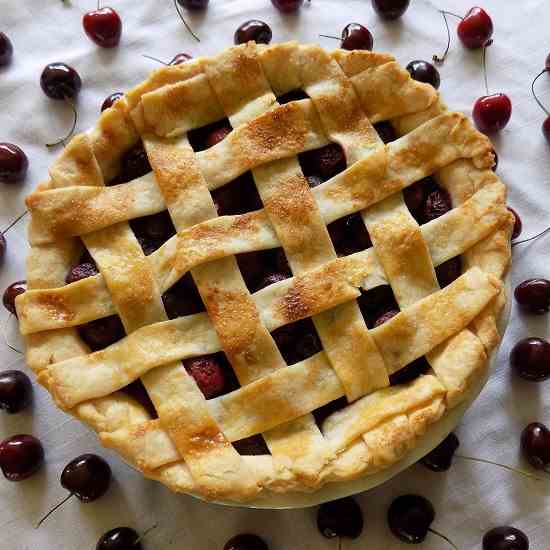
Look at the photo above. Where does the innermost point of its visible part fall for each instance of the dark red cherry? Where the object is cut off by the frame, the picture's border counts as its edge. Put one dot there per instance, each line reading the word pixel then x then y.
pixel 11 293
pixel 437 204
pixel 180 58
pixel 246 542
pixel 208 374
pixel 6 50
pixel 340 518
pixel 134 164
pixel 288 6
pixel 533 295
pixel 13 163
pixel 505 538
pixel 356 37
pixel 423 71
pixel 81 271
pixel 253 30
pixel 110 100
pixel 59 81
pixel 390 9
pixel 183 298
pixel 157 227
pixel 475 29
pixel 492 112
pixel 325 162
pixel 15 391
pixel 546 129
pixel 217 135
pixel 20 457
pixel 120 538
pixel 535 445
pixel 193 4
pixel 87 477
pixel 530 358
pixel 3 246
pixel 410 517
pixel 440 459
pixel 518 226
pixel 103 26
pixel 101 333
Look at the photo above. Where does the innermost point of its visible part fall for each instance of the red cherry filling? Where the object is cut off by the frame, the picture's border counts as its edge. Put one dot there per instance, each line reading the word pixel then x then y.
pixel 410 372
pixel 137 391
pixel 217 135
pixel 158 227
pixel 237 197
pixel 325 162
pixel 183 298
pixel 102 333
pixel 293 95
pixel 134 164
pixel 349 235
pixel 254 445
pixel 448 271
pixel 81 271
pixel 207 136
pixel 297 341
pixel 386 131
pixel 20 457
pixel 375 302
pixel 437 204
pixel 208 373
pixel 385 316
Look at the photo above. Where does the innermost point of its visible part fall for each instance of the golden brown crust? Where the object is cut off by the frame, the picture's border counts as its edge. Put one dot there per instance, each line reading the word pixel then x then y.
pixel 189 446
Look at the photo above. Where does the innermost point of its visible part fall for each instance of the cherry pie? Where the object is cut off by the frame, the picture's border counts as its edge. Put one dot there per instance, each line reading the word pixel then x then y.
pixel 267 270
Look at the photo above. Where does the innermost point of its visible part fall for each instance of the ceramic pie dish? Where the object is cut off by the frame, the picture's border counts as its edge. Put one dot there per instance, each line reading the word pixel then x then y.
pixel 314 234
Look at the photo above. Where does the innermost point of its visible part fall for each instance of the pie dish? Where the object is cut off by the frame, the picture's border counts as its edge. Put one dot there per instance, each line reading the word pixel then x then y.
pixel 320 241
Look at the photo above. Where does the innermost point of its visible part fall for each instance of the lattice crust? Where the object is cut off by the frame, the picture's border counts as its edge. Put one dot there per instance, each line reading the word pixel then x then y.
pixel 189 446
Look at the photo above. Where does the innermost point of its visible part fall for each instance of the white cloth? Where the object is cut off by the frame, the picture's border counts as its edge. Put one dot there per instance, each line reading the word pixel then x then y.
pixel 470 498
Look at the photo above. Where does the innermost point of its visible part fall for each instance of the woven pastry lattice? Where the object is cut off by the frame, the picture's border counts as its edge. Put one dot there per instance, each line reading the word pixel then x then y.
pixel 188 443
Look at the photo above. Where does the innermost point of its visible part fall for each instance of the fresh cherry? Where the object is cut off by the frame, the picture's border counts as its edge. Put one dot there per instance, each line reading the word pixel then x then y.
pixel 208 375
pixel 424 72
pixel 103 26
pixel 20 457
pixel 288 6
pixel 535 445
pixel 354 37
pixel 340 518
pixel 246 542
pixel 475 29
pixel 390 9
pixel 440 459
pixel 6 50
pixel 110 100
pixel 533 295
pixel 193 5
pixel 518 226
pixel 87 477
pixel 410 518
pixel 15 391
pixel 530 358
pixel 120 538
pixel 505 538
pixel 491 112
pixel 13 163
pixel 11 293
pixel 61 82
pixel 253 30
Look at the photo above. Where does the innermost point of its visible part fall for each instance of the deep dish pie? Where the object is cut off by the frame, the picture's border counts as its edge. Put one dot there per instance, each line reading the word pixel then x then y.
pixel 267 270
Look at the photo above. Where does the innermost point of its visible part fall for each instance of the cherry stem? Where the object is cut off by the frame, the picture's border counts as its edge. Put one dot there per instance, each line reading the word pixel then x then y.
pixel 542 233
pixel 443 537
pixel 451 13
pixel 535 95
pixel 436 58
pixel 484 57
pixel 14 222
pixel 145 533
pixel 71 131
pixel 328 36
pixel 155 59
pixel 185 22
pixel 510 468
pixel 5 336
pixel 53 510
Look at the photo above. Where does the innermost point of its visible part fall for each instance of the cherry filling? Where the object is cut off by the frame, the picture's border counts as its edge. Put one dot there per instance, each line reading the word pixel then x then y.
pixel 322 413
pixel 134 164
pixel 208 136
pixel 153 231
pixel 386 131
pixel 263 268
pixel 410 372
pixel 449 271
pixel 293 95
pixel 102 333
pixel 237 197
pixel 254 445
pixel 326 162
pixel 137 391
pixel 183 298
pixel 376 303
pixel 297 341
pixel 212 373
pixel 349 235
